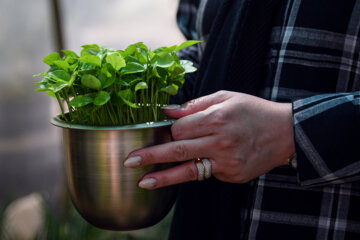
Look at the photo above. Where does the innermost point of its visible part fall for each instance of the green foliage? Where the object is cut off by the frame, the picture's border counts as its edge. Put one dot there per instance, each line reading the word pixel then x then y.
pixel 104 86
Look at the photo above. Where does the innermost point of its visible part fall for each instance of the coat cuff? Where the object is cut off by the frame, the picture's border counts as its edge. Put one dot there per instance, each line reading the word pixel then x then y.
pixel 327 138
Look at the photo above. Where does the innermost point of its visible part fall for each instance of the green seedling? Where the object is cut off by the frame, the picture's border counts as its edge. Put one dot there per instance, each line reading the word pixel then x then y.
pixel 104 86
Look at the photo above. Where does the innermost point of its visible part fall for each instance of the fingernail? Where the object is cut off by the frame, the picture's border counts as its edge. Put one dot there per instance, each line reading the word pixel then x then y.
pixel 148 183
pixel 133 162
pixel 171 107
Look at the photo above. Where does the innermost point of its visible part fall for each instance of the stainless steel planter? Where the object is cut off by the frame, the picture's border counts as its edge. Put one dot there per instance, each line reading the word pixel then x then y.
pixel 105 192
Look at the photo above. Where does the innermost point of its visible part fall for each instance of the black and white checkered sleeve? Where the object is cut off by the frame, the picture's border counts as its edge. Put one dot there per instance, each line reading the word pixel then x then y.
pixel 327 138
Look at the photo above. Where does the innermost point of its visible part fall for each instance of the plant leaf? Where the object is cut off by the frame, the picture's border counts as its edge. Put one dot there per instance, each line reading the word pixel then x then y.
pixel 142 45
pixel 130 104
pixel 108 70
pixel 165 49
pixel 164 60
pixel 129 59
pixel 124 83
pixel 116 61
pixel 140 86
pixel 80 101
pixel 91 46
pixel 108 48
pixel 176 58
pixel 186 44
pixel 91 82
pixel 40 74
pixel 126 95
pixel 86 66
pixel 121 52
pixel 170 89
pixel 58 86
pixel 151 55
pixel 42 87
pixel 178 69
pixel 49 59
pixel 91 59
pixel 132 67
pixel 106 81
pixel 179 79
pixel 62 64
pixel 70 53
pixel 52 94
pixel 101 98
pixel 141 57
pixel 72 67
pixel 91 49
pixel 171 49
pixel 188 66
pixel 59 75
pixel 101 54
pixel 155 71
pixel 130 50
pixel 162 72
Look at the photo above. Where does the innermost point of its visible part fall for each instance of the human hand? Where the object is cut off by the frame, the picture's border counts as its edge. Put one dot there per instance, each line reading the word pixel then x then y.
pixel 242 135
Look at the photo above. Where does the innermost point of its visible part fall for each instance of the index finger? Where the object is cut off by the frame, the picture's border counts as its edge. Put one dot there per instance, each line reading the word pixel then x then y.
pixel 176 151
pixel 197 105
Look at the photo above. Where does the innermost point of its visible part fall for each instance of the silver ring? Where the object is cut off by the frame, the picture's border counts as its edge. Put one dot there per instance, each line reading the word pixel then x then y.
pixel 204 168
pixel 207 166
pixel 201 169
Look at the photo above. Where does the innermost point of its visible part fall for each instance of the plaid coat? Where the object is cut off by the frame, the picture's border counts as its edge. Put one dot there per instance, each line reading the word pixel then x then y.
pixel 314 63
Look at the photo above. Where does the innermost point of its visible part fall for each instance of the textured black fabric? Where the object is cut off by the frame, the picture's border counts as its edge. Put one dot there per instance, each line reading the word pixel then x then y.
pixel 313 62
pixel 240 29
pixel 223 204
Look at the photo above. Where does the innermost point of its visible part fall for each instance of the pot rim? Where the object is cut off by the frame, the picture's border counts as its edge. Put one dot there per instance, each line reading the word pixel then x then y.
pixel 58 122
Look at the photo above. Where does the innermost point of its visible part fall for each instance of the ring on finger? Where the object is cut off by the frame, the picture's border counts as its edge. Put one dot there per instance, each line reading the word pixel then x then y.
pixel 204 168
pixel 207 166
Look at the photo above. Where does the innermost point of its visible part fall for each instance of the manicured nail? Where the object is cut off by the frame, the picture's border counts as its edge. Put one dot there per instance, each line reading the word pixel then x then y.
pixel 172 107
pixel 148 183
pixel 133 162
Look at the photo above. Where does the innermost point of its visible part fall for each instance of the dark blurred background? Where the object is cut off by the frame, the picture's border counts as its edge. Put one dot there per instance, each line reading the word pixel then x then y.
pixel 30 148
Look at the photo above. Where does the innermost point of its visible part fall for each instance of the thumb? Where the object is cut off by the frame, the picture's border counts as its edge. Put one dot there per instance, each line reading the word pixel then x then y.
pixel 196 105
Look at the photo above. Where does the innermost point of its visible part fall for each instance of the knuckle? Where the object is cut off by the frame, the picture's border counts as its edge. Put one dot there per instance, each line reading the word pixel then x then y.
pixel 192 101
pixel 175 131
pixel 225 143
pixel 180 152
pixel 218 117
pixel 222 93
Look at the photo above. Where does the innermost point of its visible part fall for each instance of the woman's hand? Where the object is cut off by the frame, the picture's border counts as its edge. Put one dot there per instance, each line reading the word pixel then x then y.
pixel 243 136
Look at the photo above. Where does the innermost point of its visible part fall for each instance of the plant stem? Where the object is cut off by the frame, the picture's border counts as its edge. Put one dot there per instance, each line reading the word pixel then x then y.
pixel 61 107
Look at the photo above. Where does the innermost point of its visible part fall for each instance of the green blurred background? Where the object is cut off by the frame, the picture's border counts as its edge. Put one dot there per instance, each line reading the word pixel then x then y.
pixel 31 160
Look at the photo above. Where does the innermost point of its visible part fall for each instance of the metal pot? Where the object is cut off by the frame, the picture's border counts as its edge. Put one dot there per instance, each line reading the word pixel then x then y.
pixel 105 192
